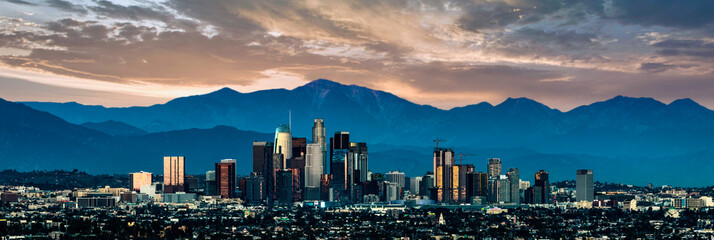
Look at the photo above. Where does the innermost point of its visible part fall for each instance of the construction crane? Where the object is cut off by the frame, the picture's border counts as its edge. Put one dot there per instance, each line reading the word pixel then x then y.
pixel 461 157
pixel 437 140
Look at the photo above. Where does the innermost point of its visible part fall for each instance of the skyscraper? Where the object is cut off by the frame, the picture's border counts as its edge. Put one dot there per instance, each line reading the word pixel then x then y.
pixel 210 189
pixel 476 184
pixel 395 177
pixel 359 152
pixel 515 182
pixel 584 188
pixel 174 172
pixel 254 188
pixel 285 186
pixel 443 162
pixel 504 189
pixel 313 165
pixel 283 144
pixel 340 141
pixel 138 179
pixel 541 187
pixel 414 183
pixel 226 178
pixel 342 174
pixel 262 157
pixel 318 137
pixel 299 147
pixel 494 168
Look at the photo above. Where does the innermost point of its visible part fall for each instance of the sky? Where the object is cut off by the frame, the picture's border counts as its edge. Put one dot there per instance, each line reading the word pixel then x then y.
pixel 445 53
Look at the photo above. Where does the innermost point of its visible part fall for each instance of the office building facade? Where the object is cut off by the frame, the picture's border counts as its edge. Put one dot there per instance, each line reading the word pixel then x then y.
pixel 174 172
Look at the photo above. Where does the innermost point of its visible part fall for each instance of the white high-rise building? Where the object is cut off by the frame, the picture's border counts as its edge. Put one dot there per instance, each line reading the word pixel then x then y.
pixel 313 165
pixel 584 188
pixel 395 177
pixel 283 144
pixel 414 185
pixel 318 136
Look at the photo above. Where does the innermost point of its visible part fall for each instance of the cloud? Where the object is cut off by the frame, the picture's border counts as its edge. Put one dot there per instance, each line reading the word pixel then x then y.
pixel 691 48
pixel 684 14
pixel 21 2
pixel 67 6
pixel 463 51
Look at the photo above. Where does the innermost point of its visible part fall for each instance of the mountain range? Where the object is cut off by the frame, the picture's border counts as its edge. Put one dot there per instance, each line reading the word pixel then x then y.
pixel 635 140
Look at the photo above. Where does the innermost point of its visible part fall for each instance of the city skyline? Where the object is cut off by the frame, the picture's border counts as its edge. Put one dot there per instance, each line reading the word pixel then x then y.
pixel 443 53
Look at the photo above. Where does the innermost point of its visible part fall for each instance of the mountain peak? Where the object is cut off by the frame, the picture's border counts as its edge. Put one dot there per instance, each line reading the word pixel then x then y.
pixel 519 102
pixel 323 83
pixel 687 103
pixel 225 90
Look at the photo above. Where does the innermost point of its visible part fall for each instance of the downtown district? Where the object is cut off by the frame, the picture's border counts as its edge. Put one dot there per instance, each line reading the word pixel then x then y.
pixel 315 190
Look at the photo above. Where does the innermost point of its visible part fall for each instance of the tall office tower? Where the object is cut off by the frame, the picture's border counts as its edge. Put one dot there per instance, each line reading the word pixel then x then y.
pixel 210 189
pixel 395 177
pixel 254 188
pixel 325 186
pixel 584 188
pixel 138 179
pixel 542 187
pixel 359 152
pixel 299 147
pixel 298 164
pixel 262 157
pixel 476 185
pixel 414 183
pixel 455 181
pixel 263 160
pixel 313 165
pixel 504 189
pixel 174 172
pixel 459 180
pixel 494 168
pixel 427 184
pixel 226 178
pixel 190 184
pixel 342 174
pixel 493 189
pixel 443 161
pixel 391 191
pixel 313 171
pixel 515 188
pixel 283 144
pixel 340 141
pixel 319 137
pixel 285 186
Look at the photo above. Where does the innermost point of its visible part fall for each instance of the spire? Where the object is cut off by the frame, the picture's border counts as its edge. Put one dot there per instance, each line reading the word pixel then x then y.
pixel 290 119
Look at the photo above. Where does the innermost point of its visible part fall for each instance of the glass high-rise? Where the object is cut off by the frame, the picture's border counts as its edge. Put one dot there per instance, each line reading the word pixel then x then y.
pixel 174 172
pixel 319 137
pixel 226 178
pixel 359 152
pixel 283 144
pixel 443 162
pixel 138 179
pixel 541 187
pixel 584 188
pixel 515 182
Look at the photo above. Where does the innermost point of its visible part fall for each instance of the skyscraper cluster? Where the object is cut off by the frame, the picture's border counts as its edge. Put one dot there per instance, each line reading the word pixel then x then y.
pixel 292 169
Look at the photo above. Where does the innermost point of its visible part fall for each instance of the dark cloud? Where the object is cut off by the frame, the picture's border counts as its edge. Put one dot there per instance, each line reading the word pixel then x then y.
pixel 67 6
pixel 21 2
pixel 653 67
pixel 690 48
pixel 499 14
pixel 565 40
pixel 687 14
